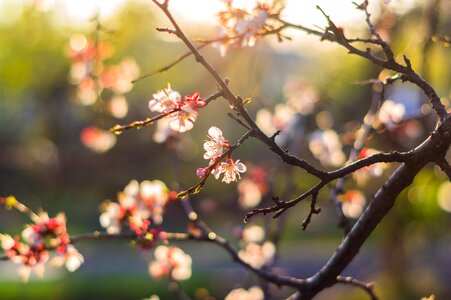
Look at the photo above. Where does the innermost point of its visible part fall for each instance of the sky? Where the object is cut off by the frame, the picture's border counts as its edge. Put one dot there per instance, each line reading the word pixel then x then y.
pixel 302 11
pixel 77 13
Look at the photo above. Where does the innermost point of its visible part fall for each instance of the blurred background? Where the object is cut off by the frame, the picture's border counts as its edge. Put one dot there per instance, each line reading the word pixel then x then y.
pixel 55 155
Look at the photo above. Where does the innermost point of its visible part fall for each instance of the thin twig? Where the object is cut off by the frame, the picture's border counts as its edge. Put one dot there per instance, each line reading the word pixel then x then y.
pixel 118 129
pixel 367 287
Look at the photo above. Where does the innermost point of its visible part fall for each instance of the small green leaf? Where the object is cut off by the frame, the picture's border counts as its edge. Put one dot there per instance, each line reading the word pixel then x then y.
pixel 117 129
pixel 182 194
pixel 247 101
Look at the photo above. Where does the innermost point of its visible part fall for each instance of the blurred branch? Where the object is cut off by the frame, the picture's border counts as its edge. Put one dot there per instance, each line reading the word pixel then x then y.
pixel 335 34
pixel 204 43
pixel 431 16
pixel 377 99
pixel 435 146
pixel 169 66
pixel 444 166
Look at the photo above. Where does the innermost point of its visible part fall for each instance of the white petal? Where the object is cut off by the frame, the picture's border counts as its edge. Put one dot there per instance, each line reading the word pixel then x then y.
pixel 240 167
pixel 215 133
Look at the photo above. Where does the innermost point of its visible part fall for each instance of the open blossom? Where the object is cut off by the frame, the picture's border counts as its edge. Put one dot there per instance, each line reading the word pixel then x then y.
pixel 254 293
pixel 184 119
pixel 231 170
pixel 181 120
pixel 165 100
pixel 170 262
pixel 214 147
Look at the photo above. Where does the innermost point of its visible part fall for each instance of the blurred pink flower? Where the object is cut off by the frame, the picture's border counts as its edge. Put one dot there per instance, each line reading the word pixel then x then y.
pixel 254 293
pixel 97 140
pixel 170 262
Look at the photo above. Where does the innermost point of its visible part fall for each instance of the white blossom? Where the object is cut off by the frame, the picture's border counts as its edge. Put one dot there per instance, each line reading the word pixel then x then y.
pixel 214 147
pixel 231 170
pixel 165 100
pixel 184 119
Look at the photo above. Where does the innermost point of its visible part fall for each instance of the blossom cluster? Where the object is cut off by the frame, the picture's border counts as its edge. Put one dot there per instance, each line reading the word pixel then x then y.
pixel 139 205
pixel 92 75
pixel 353 203
pixel 327 147
pixel 288 118
pixel 170 262
pixel 31 251
pixel 253 293
pixel 241 28
pixel 255 251
pixel 183 112
pixel 252 188
pixel 215 148
pixel 362 175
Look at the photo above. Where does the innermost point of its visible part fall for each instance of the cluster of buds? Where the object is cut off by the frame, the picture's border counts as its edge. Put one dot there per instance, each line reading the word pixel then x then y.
pixel 215 148
pixel 241 28
pixel 183 112
pixel 170 262
pixel 32 251
pixel 139 206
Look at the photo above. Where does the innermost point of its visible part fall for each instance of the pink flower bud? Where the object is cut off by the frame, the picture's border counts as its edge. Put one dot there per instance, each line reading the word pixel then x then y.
pixel 200 172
